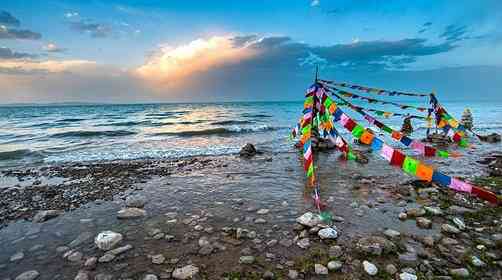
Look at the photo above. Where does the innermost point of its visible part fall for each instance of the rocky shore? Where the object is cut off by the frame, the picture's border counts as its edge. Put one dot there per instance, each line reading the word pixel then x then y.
pixel 241 218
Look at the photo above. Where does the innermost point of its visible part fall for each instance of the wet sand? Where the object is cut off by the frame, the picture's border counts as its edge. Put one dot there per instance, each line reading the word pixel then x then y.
pixel 195 208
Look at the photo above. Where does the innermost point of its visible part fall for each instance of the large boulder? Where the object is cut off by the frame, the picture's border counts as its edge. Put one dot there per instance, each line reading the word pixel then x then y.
pixel 248 151
pixel 309 219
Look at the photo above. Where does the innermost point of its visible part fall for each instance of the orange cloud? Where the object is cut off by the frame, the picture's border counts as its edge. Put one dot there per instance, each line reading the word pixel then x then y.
pixel 172 65
pixel 50 66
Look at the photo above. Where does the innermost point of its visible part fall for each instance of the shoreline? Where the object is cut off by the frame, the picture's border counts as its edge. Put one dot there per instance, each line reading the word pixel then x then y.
pixel 236 218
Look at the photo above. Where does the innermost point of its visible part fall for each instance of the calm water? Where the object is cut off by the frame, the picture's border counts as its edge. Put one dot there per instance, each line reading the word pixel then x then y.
pixel 47 134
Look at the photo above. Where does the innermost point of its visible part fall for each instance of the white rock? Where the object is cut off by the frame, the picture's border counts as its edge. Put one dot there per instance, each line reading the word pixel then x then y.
pixel 449 229
pixel 150 277
pixel 246 259
pixel 106 240
pixel 459 223
pixel 370 268
pixel 17 256
pixel 334 265
pixel 185 272
pixel 262 211
pixel 308 219
pixel 82 275
pixel 28 275
pixel 135 201
pixel 328 233
pixel 320 269
pixel 292 274
pixel 391 233
pixel 407 276
pixel 303 243
pixel 158 259
pixel 477 262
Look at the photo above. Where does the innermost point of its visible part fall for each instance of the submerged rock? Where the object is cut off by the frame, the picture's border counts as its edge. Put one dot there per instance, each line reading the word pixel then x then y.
pixel 135 201
pixel 131 213
pixel 45 215
pixel 106 240
pixel 28 275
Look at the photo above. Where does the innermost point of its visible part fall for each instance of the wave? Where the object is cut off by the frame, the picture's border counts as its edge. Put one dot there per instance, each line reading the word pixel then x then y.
pixel 86 133
pixel 218 131
pixel 18 154
pixel 71 120
pixel 232 122
pixel 247 115
pixel 165 114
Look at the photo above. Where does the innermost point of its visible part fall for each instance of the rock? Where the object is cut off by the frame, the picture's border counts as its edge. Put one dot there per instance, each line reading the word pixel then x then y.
pixel 292 274
pixel 81 238
pixel 392 234
pixel 248 151
pixel 120 250
pixel 286 242
pixel 308 219
pixel 334 265
pixel 135 201
pixel 458 210
pixel 459 223
pixel 185 272
pixel 206 250
pixel 403 216
pixel 28 275
pixel 459 272
pixel 158 259
pixel 477 262
pixel 328 233
pixel 435 211
pixel 90 263
pixel 102 276
pixel 75 256
pixel 268 275
pixel 424 222
pixel 415 212
pixel 391 269
pixel 449 229
pixel 303 243
pixel 17 257
pixel 370 268
pixel 106 258
pixel 246 260
pixel 320 269
pixel 429 241
pixel 131 213
pixel 497 239
pixel 260 221
pixel 262 211
pixel 106 240
pixel 82 275
pixel 407 276
pixel 335 251
pixel 46 215
pixel 151 277
pixel 408 259
pixel 375 245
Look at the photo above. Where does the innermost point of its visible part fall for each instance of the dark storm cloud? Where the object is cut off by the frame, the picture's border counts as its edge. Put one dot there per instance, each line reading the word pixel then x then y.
pixel 7 33
pixel 96 30
pixel 7 19
pixel 6 53
pixel 283 51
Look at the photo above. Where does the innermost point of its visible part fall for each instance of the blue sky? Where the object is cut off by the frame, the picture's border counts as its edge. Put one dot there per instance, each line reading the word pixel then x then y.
pixel 146 51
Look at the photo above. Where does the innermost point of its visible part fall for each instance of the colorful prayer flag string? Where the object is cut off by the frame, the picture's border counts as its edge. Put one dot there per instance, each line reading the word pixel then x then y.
pixel 374 90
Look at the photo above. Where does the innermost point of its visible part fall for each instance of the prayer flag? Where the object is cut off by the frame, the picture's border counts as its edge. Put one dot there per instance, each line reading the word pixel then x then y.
pixel 397 158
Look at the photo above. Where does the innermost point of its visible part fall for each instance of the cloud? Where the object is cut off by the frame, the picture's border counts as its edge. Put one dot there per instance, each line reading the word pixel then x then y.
pixel 53 48
pixel 6 53
pixel 7 19
pixel 30 66
pixel 454 33
pixel 7 33
pixel 171 64
pixel 315 3
pixel 96 30
pixel 427 24
pixel 71 14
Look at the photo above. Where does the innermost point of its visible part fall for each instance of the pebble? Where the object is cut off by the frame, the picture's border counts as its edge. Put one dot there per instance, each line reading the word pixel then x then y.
pixel 459 223
pixel 303 243
pixel 82 275
pixel 81 238
pixel 268 275
pixel 90 263
pixel 106 258
pixel 328 233
pixel 131 213
pixel 158 259
pixel 436 211
pixel 477 262
pixel 391 269
pixel 17 257
pixel 46 215
pixel 334 265
pixel 260 221
pixel 403 216
pixel 391 233
pixel 335 251
pixel 106 240
pixel 320 269
pixel 246 259
pixel 292 274
pixel 150 277
pixel 120 250
pixel 262 211
pixel 185 272
pixel 424 222
pixel 449 229
pixel 28 275
pixel 407 276
pixel 370 268
pixel 415 212
pixel 75 256
pixel 459 272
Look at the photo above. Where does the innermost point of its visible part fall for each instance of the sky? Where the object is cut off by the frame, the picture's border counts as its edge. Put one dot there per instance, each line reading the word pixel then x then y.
pixel 204 51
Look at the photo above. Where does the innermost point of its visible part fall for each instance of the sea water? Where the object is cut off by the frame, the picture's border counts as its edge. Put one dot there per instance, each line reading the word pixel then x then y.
pixel 55 134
